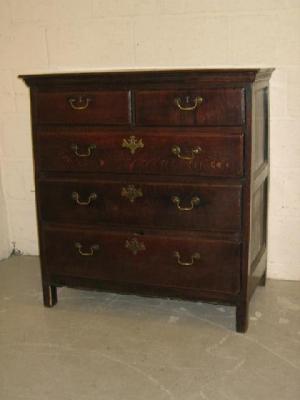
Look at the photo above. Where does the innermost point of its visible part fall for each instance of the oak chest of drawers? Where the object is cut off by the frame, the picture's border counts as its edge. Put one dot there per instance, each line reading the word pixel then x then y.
pixel 153 183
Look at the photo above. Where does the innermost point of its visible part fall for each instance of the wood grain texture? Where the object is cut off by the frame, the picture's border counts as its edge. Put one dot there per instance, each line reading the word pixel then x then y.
pixel 218 107
pixel 216 270
pixel 83 107
pixel 189 78
pixel 219 207
pixel 258 243
pixel 221 153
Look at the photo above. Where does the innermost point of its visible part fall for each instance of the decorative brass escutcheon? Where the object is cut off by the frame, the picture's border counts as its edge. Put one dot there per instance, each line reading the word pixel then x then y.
pixel 176 150
pixel 131 193
pixel 132 144
pixel 194 257
pixel 134 246
pixel 197 101
pixel 195 201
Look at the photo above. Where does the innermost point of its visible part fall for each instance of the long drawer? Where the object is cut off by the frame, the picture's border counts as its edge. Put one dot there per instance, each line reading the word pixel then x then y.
pixel 167 151
pixel 154 259
pixel 214 207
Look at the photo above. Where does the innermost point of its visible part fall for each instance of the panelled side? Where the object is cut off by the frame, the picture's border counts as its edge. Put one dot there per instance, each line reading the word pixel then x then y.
pixel 260 185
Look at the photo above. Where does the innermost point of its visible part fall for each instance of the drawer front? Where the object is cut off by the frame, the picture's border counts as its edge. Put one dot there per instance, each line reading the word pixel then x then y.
pixel 153 259
pixel 190 108
pixel 150 204
pixel 158 152
pixel 102 108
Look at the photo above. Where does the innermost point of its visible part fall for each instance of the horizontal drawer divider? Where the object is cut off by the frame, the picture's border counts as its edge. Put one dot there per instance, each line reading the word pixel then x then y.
pixel 216 235
pixel 90 176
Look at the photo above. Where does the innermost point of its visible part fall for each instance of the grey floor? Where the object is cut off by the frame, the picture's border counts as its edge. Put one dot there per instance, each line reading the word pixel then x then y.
pixel 111 347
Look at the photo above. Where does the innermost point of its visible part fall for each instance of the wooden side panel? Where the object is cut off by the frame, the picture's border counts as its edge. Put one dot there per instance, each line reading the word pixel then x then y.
pixel 259 188
pixel 261 129
pixel 259 227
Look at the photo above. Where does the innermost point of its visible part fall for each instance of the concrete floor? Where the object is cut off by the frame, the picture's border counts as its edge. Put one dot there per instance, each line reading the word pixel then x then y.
pixel 111 347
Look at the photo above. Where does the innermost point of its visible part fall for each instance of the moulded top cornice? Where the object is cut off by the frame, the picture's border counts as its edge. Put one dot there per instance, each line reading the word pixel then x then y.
pixel 148 76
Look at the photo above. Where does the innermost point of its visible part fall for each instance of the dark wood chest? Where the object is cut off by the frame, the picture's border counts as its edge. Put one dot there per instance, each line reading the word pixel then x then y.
pixel 153 183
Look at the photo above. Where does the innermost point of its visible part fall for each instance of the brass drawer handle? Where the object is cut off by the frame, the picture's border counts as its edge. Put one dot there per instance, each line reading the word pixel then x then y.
pixel 90 253
pixel 131 193
pixel 195 201
pixel 197 101
pixel 75 197
pixel 176 150
pixel 132 144
pixel 79 103
pixel 194 257
pixel 75 148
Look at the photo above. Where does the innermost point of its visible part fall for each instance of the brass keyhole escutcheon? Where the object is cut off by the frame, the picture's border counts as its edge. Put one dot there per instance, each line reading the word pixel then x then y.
pixel 134 246
pixel 132 144
pixel 131 193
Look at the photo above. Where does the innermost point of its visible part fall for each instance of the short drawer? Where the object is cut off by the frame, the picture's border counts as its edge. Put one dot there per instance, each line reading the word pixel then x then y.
pixel 154 259
pixel 179 205
pixel 73 107
pixel 168 151
pixel 215 107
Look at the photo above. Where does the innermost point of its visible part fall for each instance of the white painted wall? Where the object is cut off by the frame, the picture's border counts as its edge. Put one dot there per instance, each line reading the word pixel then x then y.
pixel 5 244
pixel 69 35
